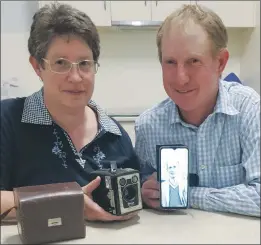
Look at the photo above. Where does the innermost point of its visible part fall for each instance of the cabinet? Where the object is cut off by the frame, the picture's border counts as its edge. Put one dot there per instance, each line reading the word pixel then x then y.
pixel 98 11
pixel 161 9
pixel 233 13
pixel 106 13
pixel 143 10
pixel 130 10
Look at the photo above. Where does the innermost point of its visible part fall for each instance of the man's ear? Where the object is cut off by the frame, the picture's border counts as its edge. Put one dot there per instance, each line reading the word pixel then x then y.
pixel 223 59
pixel 36 66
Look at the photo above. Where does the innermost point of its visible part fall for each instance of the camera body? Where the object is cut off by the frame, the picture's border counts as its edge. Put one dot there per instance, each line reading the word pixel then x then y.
pixel 119 192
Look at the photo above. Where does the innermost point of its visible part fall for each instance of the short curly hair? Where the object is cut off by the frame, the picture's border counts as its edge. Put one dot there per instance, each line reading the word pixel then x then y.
pixel 57 19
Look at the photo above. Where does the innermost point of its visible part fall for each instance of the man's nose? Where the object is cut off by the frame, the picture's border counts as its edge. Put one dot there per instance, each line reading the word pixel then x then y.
pixel 74 74
pixel 182 75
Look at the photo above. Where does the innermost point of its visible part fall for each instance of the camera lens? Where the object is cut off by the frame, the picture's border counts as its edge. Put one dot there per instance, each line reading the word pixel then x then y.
pixel 123 181
pixel 134 179
pixel 129 193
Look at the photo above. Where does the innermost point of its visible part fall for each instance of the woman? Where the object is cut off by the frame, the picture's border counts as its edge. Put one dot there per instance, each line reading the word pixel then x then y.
pixel 59 134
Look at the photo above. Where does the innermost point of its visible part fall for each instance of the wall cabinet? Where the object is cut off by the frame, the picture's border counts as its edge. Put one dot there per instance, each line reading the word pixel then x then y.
pixel 104 13
pixel 98 11
pixel 130 10
pixel 161 9
pixel 143 10
pixel 233 13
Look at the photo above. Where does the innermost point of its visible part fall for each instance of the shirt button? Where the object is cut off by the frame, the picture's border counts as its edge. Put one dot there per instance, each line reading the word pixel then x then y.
pixel 203 166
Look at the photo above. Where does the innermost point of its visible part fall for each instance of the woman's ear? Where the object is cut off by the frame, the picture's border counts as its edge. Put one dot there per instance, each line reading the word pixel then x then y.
pixel 36 66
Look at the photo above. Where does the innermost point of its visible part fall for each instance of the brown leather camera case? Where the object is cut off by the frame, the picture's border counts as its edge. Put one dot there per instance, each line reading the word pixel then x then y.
pixel 49 213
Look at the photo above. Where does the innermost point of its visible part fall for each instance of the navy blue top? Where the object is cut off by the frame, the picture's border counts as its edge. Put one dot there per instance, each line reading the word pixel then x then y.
pixel 34 150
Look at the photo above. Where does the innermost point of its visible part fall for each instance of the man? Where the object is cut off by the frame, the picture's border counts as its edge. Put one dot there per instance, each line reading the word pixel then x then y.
pixel 217 120
pixel 174 188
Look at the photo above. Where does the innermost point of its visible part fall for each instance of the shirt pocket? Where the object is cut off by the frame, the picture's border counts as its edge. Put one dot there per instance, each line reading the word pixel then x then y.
pixel 229 175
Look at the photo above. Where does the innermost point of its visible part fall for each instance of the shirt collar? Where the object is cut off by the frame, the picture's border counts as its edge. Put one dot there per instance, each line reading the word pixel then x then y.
pixel 223 105
pixel 35 112
pixel 174 113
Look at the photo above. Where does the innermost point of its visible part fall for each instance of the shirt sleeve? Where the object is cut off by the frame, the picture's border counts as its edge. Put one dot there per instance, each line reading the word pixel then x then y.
pixel 7 146
pixel 243 198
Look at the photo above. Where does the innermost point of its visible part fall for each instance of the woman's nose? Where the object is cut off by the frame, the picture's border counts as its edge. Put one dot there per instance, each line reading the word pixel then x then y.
pixel 74 74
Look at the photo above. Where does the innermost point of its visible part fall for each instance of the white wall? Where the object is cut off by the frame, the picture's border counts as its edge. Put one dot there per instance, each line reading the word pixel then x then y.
pixel 250 60
pixel 130 58
pixel 16 19
pixel 130 73
pixel 129 79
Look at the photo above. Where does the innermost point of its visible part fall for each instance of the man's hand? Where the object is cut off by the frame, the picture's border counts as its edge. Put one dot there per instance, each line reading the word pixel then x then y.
pixel 93 211
pixel 150 191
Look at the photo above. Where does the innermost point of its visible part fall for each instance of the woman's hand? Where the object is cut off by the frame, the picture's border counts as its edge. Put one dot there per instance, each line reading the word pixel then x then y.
pixel 93 211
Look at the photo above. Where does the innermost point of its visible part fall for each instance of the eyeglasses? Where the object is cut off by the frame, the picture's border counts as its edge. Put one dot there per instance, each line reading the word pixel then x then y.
pixel 62 66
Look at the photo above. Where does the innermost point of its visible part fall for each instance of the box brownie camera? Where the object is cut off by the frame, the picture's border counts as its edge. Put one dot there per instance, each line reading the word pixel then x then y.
pixel 119 192
pixel 50 213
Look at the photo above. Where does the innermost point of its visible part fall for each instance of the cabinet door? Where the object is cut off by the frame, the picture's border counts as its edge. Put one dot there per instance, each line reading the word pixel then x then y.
pixel 98 11
pixel 161 9
pixel 131 10
pixel 234 13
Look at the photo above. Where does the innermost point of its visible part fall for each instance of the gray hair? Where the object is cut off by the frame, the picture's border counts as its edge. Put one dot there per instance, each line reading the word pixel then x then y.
pixel 58 20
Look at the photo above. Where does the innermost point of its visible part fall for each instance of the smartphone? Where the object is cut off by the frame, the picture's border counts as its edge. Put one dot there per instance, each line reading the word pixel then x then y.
pixel 173 176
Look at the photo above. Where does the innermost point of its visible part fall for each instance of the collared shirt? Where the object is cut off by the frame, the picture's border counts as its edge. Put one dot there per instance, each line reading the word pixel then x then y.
pixel 35 150
pixel 224 149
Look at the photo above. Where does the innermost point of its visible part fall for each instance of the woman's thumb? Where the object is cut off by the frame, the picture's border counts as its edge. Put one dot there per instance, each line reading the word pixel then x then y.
pixel 89 188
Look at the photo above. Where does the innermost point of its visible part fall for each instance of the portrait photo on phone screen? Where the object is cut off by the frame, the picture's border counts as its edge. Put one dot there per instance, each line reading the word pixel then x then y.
pixel 174 167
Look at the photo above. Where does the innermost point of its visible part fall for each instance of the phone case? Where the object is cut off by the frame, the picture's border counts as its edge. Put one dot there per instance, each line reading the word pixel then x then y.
pixel 179 193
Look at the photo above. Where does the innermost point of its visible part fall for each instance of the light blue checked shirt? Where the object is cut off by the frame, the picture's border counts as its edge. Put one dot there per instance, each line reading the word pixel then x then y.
pixel 225 149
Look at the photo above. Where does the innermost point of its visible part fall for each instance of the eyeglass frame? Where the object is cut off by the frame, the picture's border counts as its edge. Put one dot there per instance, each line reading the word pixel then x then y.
pixel 72 64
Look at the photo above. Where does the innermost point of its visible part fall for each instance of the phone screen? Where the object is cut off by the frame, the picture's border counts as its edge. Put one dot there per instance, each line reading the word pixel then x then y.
pixel 174 168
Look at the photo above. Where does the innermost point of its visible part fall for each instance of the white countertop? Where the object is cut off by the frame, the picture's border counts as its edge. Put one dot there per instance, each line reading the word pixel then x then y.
pixel 153 227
